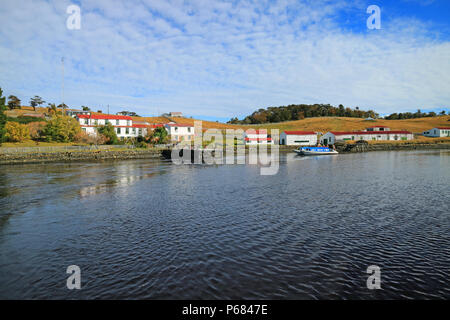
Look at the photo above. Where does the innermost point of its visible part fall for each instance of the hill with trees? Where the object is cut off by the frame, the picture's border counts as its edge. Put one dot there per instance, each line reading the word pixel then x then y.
pixel 301 111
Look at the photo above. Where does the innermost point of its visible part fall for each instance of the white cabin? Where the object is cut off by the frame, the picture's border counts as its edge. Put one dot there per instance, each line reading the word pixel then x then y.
pixel 438 132
pixel 298 138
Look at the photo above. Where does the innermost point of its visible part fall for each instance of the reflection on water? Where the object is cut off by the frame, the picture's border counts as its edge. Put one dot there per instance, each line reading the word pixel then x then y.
pixel 150 229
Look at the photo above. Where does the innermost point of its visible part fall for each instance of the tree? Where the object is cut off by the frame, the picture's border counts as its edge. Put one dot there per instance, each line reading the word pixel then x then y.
pixel 2 116
pixel 85 108
pixel 36 101
pixel 109 132
pixel 62 106
pixel 13 102
pixel 61 128
pixel 52 108
pixel 158 136
pixel 16 132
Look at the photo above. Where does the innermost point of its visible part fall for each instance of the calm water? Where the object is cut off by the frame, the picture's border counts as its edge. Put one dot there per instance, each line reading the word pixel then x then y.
pixel 151 229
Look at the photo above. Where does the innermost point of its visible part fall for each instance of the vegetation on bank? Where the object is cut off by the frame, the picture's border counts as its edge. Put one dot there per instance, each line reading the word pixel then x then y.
pixel 2 117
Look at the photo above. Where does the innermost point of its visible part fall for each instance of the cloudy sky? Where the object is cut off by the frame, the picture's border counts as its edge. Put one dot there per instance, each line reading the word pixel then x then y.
pixel 220 59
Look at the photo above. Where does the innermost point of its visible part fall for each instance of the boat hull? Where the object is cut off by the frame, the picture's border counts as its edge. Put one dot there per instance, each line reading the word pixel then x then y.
pixel 315 153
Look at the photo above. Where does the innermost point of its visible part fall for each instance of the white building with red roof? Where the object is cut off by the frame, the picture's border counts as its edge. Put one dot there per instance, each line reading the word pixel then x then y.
pixel 122 124
pixel 253 136
pixel 332 136
pixel 180 132
pixel 298 138
pixel 438 132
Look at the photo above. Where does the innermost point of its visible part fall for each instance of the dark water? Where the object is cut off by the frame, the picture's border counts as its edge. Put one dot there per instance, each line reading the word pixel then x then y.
pixel 150 229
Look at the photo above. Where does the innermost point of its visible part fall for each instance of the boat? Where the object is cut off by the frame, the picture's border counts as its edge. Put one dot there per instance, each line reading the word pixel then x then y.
pixel 314 151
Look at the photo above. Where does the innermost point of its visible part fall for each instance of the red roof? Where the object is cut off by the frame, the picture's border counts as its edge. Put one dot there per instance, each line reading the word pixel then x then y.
pixel 378 127
pixel 104 116
pixel 258 139
pixel 300 133
pixel 178 125
pixel 443 128
pixel 336 133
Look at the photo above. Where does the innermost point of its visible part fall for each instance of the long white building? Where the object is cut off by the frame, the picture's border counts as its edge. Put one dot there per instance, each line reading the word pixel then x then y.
pixel 438 132
pixel 298 138
pixel 333 136
pixel 122 124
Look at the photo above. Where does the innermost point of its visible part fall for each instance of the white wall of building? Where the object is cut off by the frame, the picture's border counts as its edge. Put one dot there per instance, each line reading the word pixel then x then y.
pixel 437 132
pixel 298 139
pixel 180 132
pixel 122 125
pixel 254 137
pixel 331 138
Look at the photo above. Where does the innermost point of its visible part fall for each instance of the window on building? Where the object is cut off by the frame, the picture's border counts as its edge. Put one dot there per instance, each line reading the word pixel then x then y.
pixel 134 130
pixel 128 123
pixel 140 132
pixel 117 122
pixel 86 121
pixel 176 129
pixel 118 130
pixel 189 129
pixel 127 130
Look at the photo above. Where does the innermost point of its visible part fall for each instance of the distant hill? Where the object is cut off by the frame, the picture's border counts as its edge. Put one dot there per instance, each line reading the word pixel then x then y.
pixel 302 111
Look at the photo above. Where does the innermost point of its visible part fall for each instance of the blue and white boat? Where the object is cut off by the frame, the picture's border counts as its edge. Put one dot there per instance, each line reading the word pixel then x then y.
pixel 314 151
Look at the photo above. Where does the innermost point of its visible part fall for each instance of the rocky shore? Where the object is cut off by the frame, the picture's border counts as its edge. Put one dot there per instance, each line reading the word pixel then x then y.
pixel 366 147
pixel 43 157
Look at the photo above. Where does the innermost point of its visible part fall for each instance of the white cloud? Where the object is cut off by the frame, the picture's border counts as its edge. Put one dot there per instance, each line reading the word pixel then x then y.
pixel 219 58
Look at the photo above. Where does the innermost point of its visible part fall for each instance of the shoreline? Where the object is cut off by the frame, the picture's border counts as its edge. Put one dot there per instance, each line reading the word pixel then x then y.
pixel 130 154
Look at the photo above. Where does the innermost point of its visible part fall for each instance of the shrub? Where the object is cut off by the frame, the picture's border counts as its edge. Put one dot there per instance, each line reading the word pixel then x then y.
pixel 16 132
pixel 62 128
pixel 83 137
pixel 36 129
pixel 2 116
pixel 109 132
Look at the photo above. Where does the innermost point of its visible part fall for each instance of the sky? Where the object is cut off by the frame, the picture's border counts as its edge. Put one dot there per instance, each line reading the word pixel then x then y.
pixel 215 59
